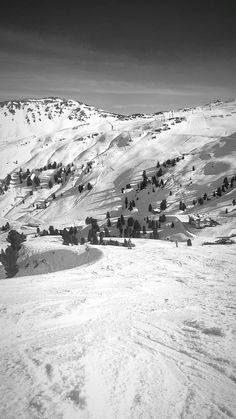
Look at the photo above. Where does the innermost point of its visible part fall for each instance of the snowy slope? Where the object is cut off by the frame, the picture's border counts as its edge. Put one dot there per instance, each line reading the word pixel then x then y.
pixel 119 148
pixel 142 333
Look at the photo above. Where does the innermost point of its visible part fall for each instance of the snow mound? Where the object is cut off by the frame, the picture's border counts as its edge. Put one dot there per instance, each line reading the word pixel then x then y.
pixel 41 256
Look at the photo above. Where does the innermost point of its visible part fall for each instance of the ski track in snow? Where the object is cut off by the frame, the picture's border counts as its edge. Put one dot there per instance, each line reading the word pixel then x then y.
pixel 142 333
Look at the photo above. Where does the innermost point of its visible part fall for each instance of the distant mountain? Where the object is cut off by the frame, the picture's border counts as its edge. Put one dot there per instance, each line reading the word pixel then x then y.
pixel 86 161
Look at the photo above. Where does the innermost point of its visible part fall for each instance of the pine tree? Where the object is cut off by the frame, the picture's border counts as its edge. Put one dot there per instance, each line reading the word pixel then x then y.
pixel 226 182
pixel 219 193
pixel 122 219
pixel 51 230
pixel 160 172
pixel 163 204
pixel 29 181
pixel 15 239
pixel 130 221
pixel 9 261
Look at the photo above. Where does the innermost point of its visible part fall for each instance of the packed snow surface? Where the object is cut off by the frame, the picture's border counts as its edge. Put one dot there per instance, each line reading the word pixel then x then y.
pixel 141 333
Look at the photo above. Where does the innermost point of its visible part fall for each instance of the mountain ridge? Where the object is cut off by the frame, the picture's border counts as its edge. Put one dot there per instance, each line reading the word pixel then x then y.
pixel 109 152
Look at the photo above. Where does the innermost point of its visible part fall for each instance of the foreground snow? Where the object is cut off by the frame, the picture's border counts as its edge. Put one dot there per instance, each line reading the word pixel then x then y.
pixel 141 333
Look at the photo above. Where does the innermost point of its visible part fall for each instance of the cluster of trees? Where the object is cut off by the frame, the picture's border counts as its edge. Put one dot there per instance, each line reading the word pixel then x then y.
pixel 130 205
pixel 68 235
pixel 88 167
pixel 131 227
pixel 218 192
pixel 153 181
pixel 160 172
pixel 81 187
pixel 9 256
pixel 163 206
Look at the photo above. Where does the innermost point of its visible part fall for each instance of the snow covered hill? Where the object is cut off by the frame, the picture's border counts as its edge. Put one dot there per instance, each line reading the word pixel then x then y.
pixel 66 145
pixel 143 333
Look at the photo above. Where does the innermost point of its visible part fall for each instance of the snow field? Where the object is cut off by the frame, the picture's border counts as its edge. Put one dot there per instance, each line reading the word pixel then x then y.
pixel 143 333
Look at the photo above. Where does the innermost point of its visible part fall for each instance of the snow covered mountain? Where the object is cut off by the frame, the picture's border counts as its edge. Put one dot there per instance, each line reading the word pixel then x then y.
pixel 68 145
pixel 103 332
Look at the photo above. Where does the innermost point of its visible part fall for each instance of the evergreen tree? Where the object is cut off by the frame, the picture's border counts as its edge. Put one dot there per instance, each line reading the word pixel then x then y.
pixel 219 193
pixel 126 202
pixel 137 226
pixel 29 181
pixel 118 224
pixel 150 208
pixel 8 179
pixel 15 239
pixel 182 206
pixel 130 221
pixel 66 237
pixel 80 188
pixel 226 182
pixel 50 184
pixel 9 261
pixel 155 234
pixel 163 204
pixel 37 181
pixel 122 219
pixel 51 230
pixel 160 172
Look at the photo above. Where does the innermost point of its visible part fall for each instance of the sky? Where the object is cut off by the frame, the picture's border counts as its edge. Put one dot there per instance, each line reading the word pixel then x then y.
pixel 121 56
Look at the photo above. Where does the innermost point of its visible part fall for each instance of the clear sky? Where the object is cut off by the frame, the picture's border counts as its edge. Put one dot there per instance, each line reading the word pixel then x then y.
pixel 123 56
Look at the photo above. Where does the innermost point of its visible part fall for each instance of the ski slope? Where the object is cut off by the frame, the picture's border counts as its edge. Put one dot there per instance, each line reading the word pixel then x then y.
pixel 141 333
pixel 119 149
